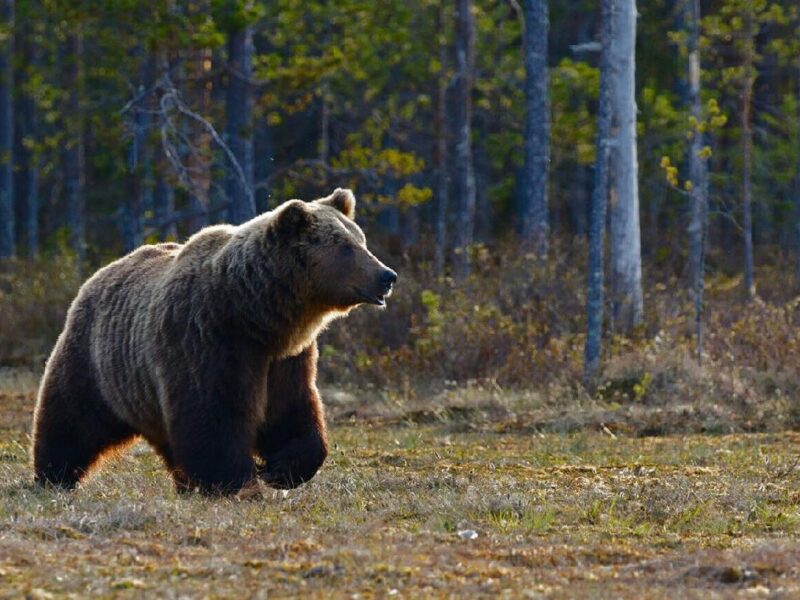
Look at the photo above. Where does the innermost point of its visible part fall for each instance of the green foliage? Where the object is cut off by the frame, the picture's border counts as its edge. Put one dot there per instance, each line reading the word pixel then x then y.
pixel 575 86
pixel 377 74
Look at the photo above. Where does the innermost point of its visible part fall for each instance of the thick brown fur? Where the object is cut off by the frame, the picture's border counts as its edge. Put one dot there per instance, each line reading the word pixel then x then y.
pixel 208 350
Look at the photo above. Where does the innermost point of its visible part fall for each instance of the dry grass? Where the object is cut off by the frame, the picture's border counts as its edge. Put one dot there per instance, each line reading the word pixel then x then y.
pixel 579 514
pixel 513 333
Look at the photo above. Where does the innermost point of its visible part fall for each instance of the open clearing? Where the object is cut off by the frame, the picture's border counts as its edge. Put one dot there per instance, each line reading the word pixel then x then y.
pixel 581 514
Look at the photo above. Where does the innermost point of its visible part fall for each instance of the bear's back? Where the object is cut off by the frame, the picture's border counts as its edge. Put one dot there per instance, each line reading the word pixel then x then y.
pixel 113 311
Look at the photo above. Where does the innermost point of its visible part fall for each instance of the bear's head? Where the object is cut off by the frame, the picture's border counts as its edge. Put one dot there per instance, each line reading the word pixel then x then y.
pixel 341 272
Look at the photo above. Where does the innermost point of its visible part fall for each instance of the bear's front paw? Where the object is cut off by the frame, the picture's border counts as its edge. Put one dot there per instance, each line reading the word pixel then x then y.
pixel 295 463
pixel 282 478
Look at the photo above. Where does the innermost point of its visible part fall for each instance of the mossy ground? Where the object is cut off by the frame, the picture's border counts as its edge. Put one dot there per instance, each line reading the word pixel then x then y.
pixel 564 515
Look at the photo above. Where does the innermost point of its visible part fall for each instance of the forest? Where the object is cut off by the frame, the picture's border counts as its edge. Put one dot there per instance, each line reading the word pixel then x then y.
pixel 591 360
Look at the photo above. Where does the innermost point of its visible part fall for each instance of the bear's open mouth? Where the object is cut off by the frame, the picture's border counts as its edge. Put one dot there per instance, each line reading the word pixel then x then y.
pixel 376 299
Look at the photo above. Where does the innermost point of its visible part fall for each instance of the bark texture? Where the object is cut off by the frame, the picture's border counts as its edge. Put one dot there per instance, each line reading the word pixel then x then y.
pixel 626 254
pixel 75 154
pixel 537 126
pixel 7 228
pixel 698 175
pixel 595 294
pixel 464 173
pixel 747 155
pixel 239 109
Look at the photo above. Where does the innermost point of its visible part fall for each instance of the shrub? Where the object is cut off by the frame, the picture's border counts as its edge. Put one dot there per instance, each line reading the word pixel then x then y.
pixel 516 322
pixel 34 297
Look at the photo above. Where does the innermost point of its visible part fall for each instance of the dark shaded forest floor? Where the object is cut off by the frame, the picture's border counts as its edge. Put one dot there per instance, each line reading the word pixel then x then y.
pixel 469 500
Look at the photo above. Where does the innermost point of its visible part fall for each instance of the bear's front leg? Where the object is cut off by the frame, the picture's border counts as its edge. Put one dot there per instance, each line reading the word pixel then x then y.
pixel 211 447
pixel 293 440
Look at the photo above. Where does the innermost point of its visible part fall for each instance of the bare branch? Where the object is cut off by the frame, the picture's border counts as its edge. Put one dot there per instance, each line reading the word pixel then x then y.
pixel 586 47
pixel 172 107
pixel 518 10
pixel 185 110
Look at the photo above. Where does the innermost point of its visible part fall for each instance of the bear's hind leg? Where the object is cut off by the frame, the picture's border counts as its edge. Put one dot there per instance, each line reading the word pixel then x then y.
pixel 72 429
pixel 166 454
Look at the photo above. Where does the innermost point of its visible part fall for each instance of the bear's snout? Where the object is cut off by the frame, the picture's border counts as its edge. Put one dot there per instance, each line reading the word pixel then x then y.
pixel 378 286
pixel 387 280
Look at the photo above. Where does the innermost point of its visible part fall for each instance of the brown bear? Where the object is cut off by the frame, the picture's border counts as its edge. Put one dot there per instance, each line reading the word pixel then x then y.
pixel 208 350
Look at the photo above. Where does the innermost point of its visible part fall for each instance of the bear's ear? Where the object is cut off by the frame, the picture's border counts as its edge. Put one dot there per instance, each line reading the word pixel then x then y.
pixel 292 218
pixel 342 200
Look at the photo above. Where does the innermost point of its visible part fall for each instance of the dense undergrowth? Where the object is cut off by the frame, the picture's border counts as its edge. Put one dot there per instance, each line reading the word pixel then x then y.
pixel 516 324
pixel 520 324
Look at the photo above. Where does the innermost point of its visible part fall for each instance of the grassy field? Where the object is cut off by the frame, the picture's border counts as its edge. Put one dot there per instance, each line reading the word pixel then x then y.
pixel 417 505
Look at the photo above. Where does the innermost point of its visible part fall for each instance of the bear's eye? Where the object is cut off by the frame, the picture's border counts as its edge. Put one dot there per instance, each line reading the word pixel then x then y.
pixel 346 250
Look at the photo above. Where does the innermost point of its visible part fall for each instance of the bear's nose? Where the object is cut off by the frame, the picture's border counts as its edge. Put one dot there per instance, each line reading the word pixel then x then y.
pixel 388 277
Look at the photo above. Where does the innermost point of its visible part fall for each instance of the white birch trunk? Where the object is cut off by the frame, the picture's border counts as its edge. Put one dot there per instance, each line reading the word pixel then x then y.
pixel 626 254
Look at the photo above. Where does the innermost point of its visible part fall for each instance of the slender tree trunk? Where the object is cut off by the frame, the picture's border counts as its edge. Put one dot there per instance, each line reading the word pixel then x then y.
pixel 239 109
pixel 797 181
pixel 577 199
pixel 223 184
pixel 138 195
pixel 747 156
pixel 31 223
pixel 164 202
pixel 698 175
pixel 131 218
pixel 462 112
pixel 27 158
pixel 163 191
pixel 7 229
pixel 595 295
pixel 199 198
pixel 626 254
pixel 409 226
pixel 75 154
pixel 262 165
pixel 537 126
pixel 482 227
pixel 144 128
pixel 440 216
pixel 324 144
pixel 132 213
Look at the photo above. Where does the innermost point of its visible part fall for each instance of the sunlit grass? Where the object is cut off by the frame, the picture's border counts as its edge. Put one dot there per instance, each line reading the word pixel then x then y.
pixel 563 514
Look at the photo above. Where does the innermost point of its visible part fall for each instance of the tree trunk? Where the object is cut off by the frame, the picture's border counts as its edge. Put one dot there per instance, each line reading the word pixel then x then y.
pixel 239 108
pixel 537 126
pixel 262 166
pixel 595 296
pixel 28 159
pixel 75 154
pixel 578 199
pixel 626 255
pixel 30 224
pixel 223 182
pixel 131 216
pixel 138 195
pixel 164 203
pixel 698 175
pixel 324 147
pixel 462 117
pixel 482 226
pixel 440 216
pixel 409 228
pixel 7 229
pixel 747 155
pixel 797 182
